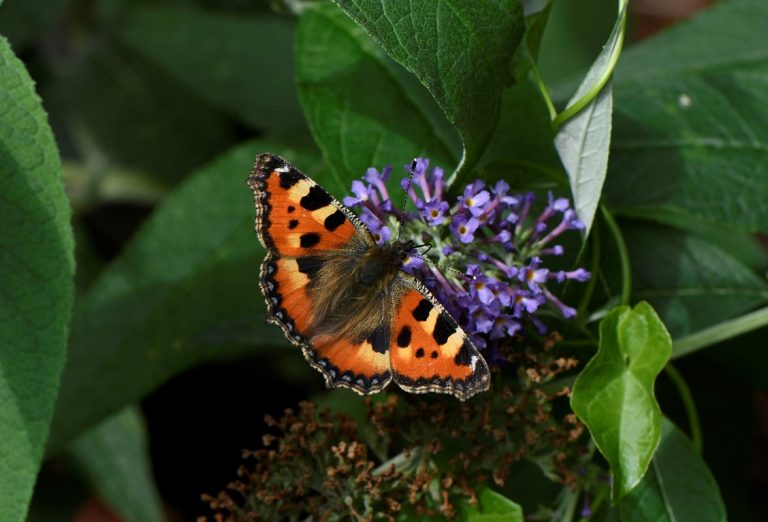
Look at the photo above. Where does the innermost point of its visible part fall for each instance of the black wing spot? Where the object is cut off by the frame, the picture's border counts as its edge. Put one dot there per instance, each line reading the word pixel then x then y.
pixel 464 357
pixel 433 354
pixel 289 179
pixel 420 353
pixel 293 224
pixel 309 239
pixel 334 221
pixel 421 312
pixel 291 209
pixel 404 337
pixel 443 330
pixel 379 339
pixel 309 265
pixel 315 199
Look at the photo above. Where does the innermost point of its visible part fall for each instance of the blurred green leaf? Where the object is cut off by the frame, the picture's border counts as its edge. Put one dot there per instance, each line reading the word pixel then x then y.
pixel 583 140
pixel 184 290
pixel 690 139
pixel 691 283
pixel 362 108
pixel 729 35
pixel 114 458
pixel 517 152
pixel 614 396
pixel 21 21
pixel 678 486
pixel 36 285
pixel 243 64
pixel 492 507
pixel 133 113
pixel 461 51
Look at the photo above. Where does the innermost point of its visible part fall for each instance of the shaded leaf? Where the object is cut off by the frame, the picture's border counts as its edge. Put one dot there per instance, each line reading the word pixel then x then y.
pixel 689 143
pixel 691 283
pixel 583 140
pixel 614 396
pixel 36 285
pixel 678 485
pixel 114 459
pixel 243 64
pixel 138 116
pixel 460 51
pixel 184 290
pixel 338 70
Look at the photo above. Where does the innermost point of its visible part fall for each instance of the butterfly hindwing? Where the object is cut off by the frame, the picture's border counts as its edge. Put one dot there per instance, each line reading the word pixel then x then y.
pixel 429 351
pixel 362 365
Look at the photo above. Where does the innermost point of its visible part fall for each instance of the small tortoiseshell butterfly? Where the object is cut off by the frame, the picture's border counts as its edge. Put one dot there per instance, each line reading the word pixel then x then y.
pixel 359 319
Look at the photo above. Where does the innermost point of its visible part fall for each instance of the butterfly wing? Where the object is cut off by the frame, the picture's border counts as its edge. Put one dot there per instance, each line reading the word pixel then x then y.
pixel 429 351
pixel 299 223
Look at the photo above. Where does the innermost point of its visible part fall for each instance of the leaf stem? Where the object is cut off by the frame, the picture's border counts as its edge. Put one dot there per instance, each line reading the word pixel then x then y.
pixel 690 406
pixel 590 95
pixel 589 290
pixel 621 246
pixel 544 92
pixel 720 332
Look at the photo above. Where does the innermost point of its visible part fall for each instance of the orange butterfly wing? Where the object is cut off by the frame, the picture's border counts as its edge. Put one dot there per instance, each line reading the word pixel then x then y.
pixel 429 351
pixel 297 220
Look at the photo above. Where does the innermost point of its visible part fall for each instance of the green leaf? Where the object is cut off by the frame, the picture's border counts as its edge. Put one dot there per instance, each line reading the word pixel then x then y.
pixel 583 140
pixel 690 130
pixel 691 283
pixel 184 290
pixel 243 64
pixel 461 51
pixel 36 285
pixel 114 458
pixel 678 486
pixel 364 110
pixel 614 396
pixel 492 507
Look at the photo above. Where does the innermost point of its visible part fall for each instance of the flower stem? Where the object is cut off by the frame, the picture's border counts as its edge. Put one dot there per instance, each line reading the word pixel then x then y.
pixel 690 406
pixel 544 92
pixel 621 246
pixel 720 332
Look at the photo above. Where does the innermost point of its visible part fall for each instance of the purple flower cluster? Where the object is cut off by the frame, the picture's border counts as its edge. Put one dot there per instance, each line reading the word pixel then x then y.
pixel 488 234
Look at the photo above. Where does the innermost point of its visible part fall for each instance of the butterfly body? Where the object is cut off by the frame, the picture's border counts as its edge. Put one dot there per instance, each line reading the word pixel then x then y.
pixel 359 319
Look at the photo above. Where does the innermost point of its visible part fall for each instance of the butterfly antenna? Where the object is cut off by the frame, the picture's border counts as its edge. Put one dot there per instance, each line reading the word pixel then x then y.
pixel 405 199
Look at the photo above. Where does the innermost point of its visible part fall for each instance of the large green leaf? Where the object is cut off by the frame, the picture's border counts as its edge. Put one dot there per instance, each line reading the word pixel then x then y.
pixel 184 290
pixel 690 139
pixel 614 394
pixel 461 51
pixel 36 285
pixel 678 486
pixel 691 283
pixel 241 63
pixel 363 109
pixel 114 459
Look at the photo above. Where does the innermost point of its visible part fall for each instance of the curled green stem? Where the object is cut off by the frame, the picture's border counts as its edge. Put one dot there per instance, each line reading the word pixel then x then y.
pixel 690 406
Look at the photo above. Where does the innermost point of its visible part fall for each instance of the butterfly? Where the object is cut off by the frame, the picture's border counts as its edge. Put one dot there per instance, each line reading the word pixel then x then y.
pixel 358 318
